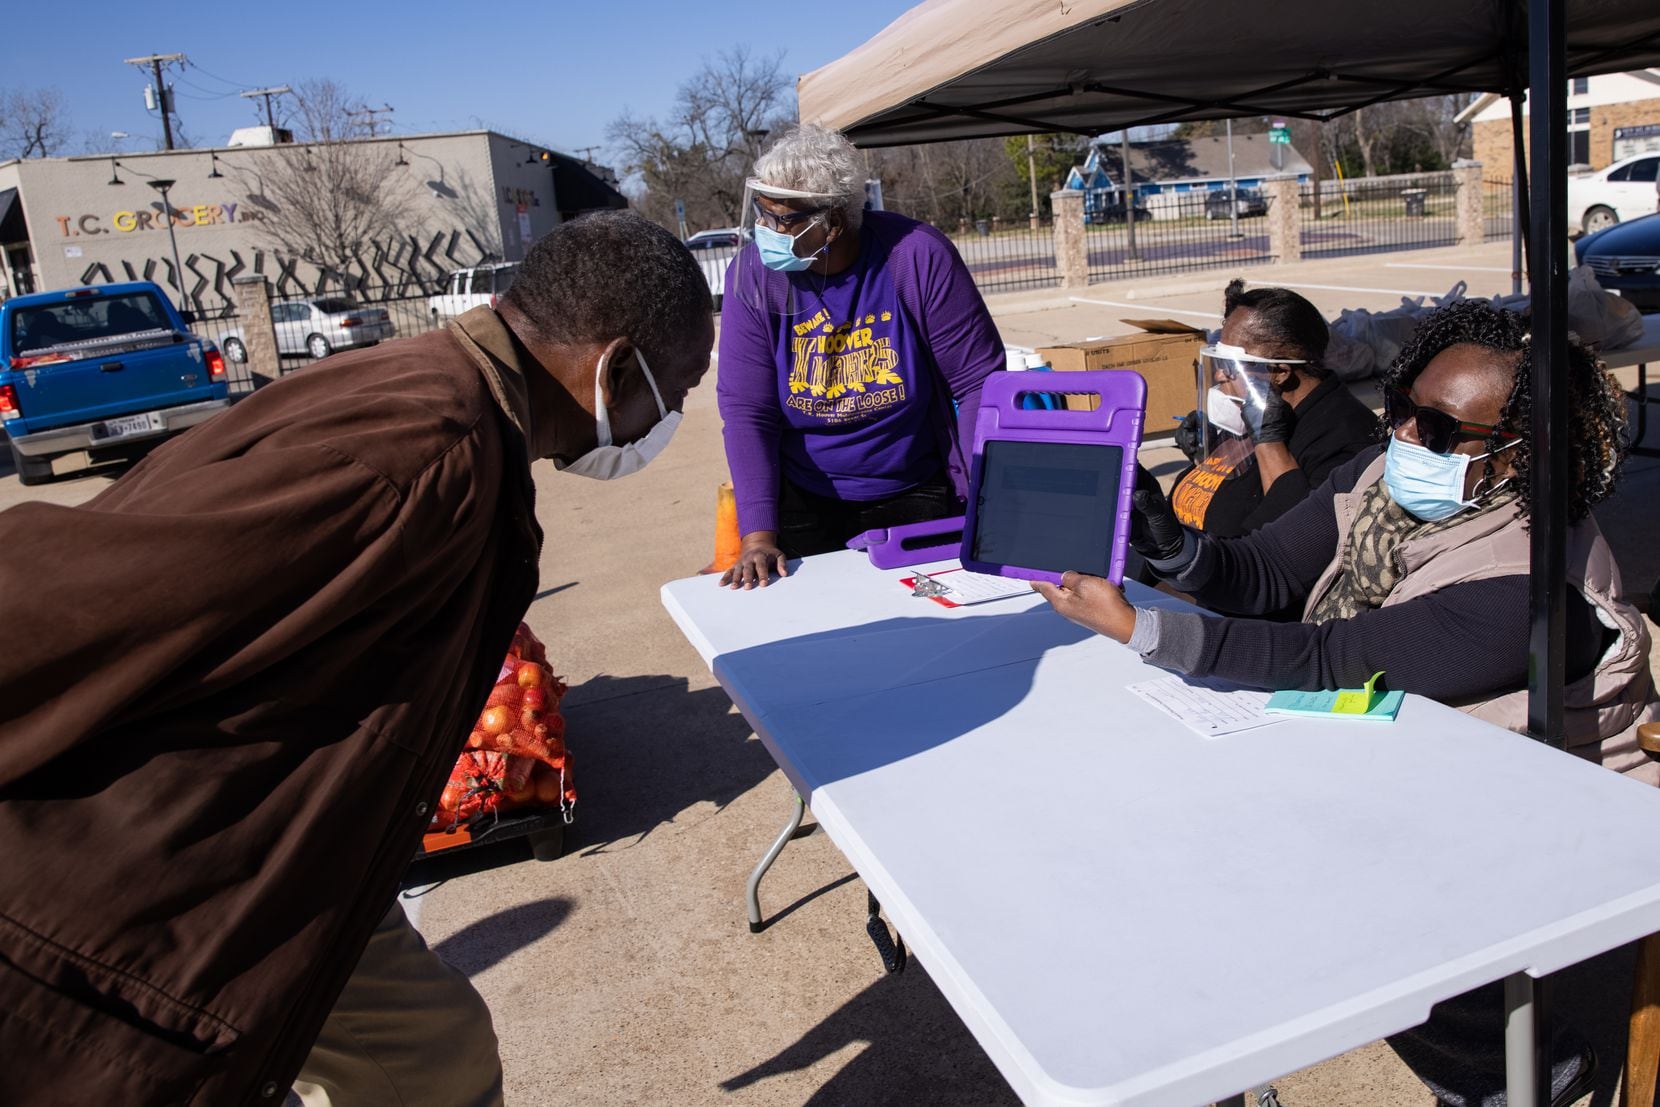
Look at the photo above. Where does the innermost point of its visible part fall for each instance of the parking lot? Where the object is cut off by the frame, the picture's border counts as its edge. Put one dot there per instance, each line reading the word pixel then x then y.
pixel 624 972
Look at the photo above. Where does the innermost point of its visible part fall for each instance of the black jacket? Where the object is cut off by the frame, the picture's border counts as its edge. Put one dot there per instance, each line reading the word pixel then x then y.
pixel 1332 427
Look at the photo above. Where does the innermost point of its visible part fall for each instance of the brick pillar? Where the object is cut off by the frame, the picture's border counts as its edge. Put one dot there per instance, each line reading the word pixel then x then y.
pixel 1071 251
pixel 1285 218
pixel 1469 202
pixel 253 315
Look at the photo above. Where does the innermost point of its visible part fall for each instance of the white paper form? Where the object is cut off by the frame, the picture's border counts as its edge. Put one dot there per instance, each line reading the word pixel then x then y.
pixel 966 587
pixel 1205 709
pixel 963 587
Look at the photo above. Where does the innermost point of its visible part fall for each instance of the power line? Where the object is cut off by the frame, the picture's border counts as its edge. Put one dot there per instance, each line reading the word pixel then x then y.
pixel 222 80
pixel 207 93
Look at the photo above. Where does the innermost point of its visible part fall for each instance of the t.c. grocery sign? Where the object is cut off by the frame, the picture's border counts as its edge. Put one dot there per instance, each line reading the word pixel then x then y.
pixel 126 222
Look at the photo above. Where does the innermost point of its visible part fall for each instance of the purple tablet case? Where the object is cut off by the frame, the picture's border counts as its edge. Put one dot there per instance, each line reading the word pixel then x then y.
pixel 1115 422
pixel 912 543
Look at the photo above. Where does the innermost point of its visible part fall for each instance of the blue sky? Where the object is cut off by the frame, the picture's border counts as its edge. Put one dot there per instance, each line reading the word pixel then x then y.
pixel 554 73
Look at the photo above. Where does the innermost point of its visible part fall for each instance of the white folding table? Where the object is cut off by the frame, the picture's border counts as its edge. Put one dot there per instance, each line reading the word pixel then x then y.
pixel 1072 866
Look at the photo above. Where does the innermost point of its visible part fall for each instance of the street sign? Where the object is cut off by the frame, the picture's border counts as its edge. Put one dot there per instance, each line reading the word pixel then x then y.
pixel 1280 134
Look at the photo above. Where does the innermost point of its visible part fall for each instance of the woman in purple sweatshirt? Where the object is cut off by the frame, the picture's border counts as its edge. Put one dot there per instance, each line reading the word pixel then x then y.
pixel 846 337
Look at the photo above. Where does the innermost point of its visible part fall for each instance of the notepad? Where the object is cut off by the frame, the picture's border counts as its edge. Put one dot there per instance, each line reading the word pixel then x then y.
pixel 1344 703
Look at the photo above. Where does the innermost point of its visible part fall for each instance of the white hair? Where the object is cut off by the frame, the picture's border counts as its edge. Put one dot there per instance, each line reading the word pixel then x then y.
pixel 815 159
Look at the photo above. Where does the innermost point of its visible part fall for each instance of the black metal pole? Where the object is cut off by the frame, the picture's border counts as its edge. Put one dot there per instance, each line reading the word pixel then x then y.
pixel 1519 190
pixel 1547 249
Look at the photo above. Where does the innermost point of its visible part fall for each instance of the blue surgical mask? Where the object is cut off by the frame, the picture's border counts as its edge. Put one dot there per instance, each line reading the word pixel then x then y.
pixel 778 250
pixel 1428 485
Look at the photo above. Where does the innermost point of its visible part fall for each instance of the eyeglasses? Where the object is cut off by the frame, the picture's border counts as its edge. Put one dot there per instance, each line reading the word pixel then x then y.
pixel 1438 432
pixel 1230 370
pixel 786 222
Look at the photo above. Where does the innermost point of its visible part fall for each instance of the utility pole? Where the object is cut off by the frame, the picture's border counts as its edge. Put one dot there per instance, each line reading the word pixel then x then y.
pixel 587 153
pixel 164 99
pixel 270 115
pixel 1233 187
pixel 370 113
pixel 1031 173
pixel 1129 193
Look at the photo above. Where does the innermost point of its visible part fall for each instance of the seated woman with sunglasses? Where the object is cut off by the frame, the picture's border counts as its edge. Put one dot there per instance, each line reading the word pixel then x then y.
pixel 846 337
pixel 1413 558
pixel 1284 422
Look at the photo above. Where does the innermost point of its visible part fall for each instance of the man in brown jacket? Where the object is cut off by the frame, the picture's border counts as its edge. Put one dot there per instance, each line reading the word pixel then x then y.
pixel 234 683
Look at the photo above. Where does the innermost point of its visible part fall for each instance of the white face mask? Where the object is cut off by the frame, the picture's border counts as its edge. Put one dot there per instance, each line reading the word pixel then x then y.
pixel 608 462
pixel 1225 412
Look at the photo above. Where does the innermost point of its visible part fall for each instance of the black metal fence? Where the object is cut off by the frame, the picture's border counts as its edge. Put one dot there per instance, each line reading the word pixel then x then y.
pixel 1379 215
pixel 1005 255
pixel 1498 209
pixel 310 327
pixel 1175 232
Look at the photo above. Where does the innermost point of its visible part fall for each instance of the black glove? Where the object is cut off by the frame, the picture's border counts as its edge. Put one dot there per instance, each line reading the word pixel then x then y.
pixel 1155 532
pixel 1187 438
pixel 1272 422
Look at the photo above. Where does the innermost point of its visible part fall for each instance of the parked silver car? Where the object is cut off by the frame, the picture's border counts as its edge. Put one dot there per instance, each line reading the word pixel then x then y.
pixel 316 328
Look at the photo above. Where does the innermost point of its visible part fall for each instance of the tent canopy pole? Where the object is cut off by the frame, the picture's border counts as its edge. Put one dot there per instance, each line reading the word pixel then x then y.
pixel 1548 477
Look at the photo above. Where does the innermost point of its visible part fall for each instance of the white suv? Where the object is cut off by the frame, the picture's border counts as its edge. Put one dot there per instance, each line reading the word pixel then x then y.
pixel 1623 191
pixel 465 289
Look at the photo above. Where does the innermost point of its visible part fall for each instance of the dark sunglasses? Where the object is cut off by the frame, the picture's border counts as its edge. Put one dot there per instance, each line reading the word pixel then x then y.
pixel 785 222
pixel 1438 432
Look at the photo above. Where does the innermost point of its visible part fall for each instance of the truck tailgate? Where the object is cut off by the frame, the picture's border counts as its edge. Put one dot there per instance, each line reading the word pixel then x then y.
pixel 123 381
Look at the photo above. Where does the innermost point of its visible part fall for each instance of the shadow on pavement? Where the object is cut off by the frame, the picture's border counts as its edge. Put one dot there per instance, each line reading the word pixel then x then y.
pixel 917 1051
pixel 646 748
pixel 780 916
pixel 492 940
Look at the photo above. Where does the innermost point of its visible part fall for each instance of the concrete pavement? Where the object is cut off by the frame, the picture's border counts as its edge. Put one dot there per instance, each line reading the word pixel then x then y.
pixel 624 972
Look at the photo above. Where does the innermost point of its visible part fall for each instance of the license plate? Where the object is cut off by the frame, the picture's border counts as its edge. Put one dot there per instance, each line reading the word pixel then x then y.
pixel 127 426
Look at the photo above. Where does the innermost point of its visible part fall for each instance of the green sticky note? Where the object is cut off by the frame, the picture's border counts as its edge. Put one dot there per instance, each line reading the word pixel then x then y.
pixel 1357 701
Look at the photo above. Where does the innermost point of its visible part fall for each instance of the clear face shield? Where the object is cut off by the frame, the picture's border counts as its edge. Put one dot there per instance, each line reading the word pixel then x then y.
pixel 1238 389
pixel 787 229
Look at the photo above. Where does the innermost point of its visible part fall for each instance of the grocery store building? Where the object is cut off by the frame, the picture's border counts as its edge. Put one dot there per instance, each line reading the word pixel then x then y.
pixel 439 202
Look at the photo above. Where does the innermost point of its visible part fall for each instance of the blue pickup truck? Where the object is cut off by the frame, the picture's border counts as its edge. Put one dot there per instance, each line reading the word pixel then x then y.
pixel 109 369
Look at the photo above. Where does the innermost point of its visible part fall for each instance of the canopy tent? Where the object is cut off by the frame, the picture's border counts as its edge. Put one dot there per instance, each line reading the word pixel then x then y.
pixel 956 69
pixel 951 69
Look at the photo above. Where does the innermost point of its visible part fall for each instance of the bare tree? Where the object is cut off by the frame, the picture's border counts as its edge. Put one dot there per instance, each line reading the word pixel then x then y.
pixel 947 183
pixel 332 196
pixel 1435 120
pixel 701 153
pixel 33 123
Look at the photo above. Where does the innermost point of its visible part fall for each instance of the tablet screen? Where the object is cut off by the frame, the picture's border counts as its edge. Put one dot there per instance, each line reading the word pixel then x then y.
pixel 1047 505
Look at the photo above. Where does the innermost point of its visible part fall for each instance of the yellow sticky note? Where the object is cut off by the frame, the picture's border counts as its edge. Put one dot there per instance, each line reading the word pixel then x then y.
pixel 1357 701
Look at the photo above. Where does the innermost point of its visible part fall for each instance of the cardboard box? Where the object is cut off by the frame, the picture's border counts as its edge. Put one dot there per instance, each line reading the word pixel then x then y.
pixel 1163 354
